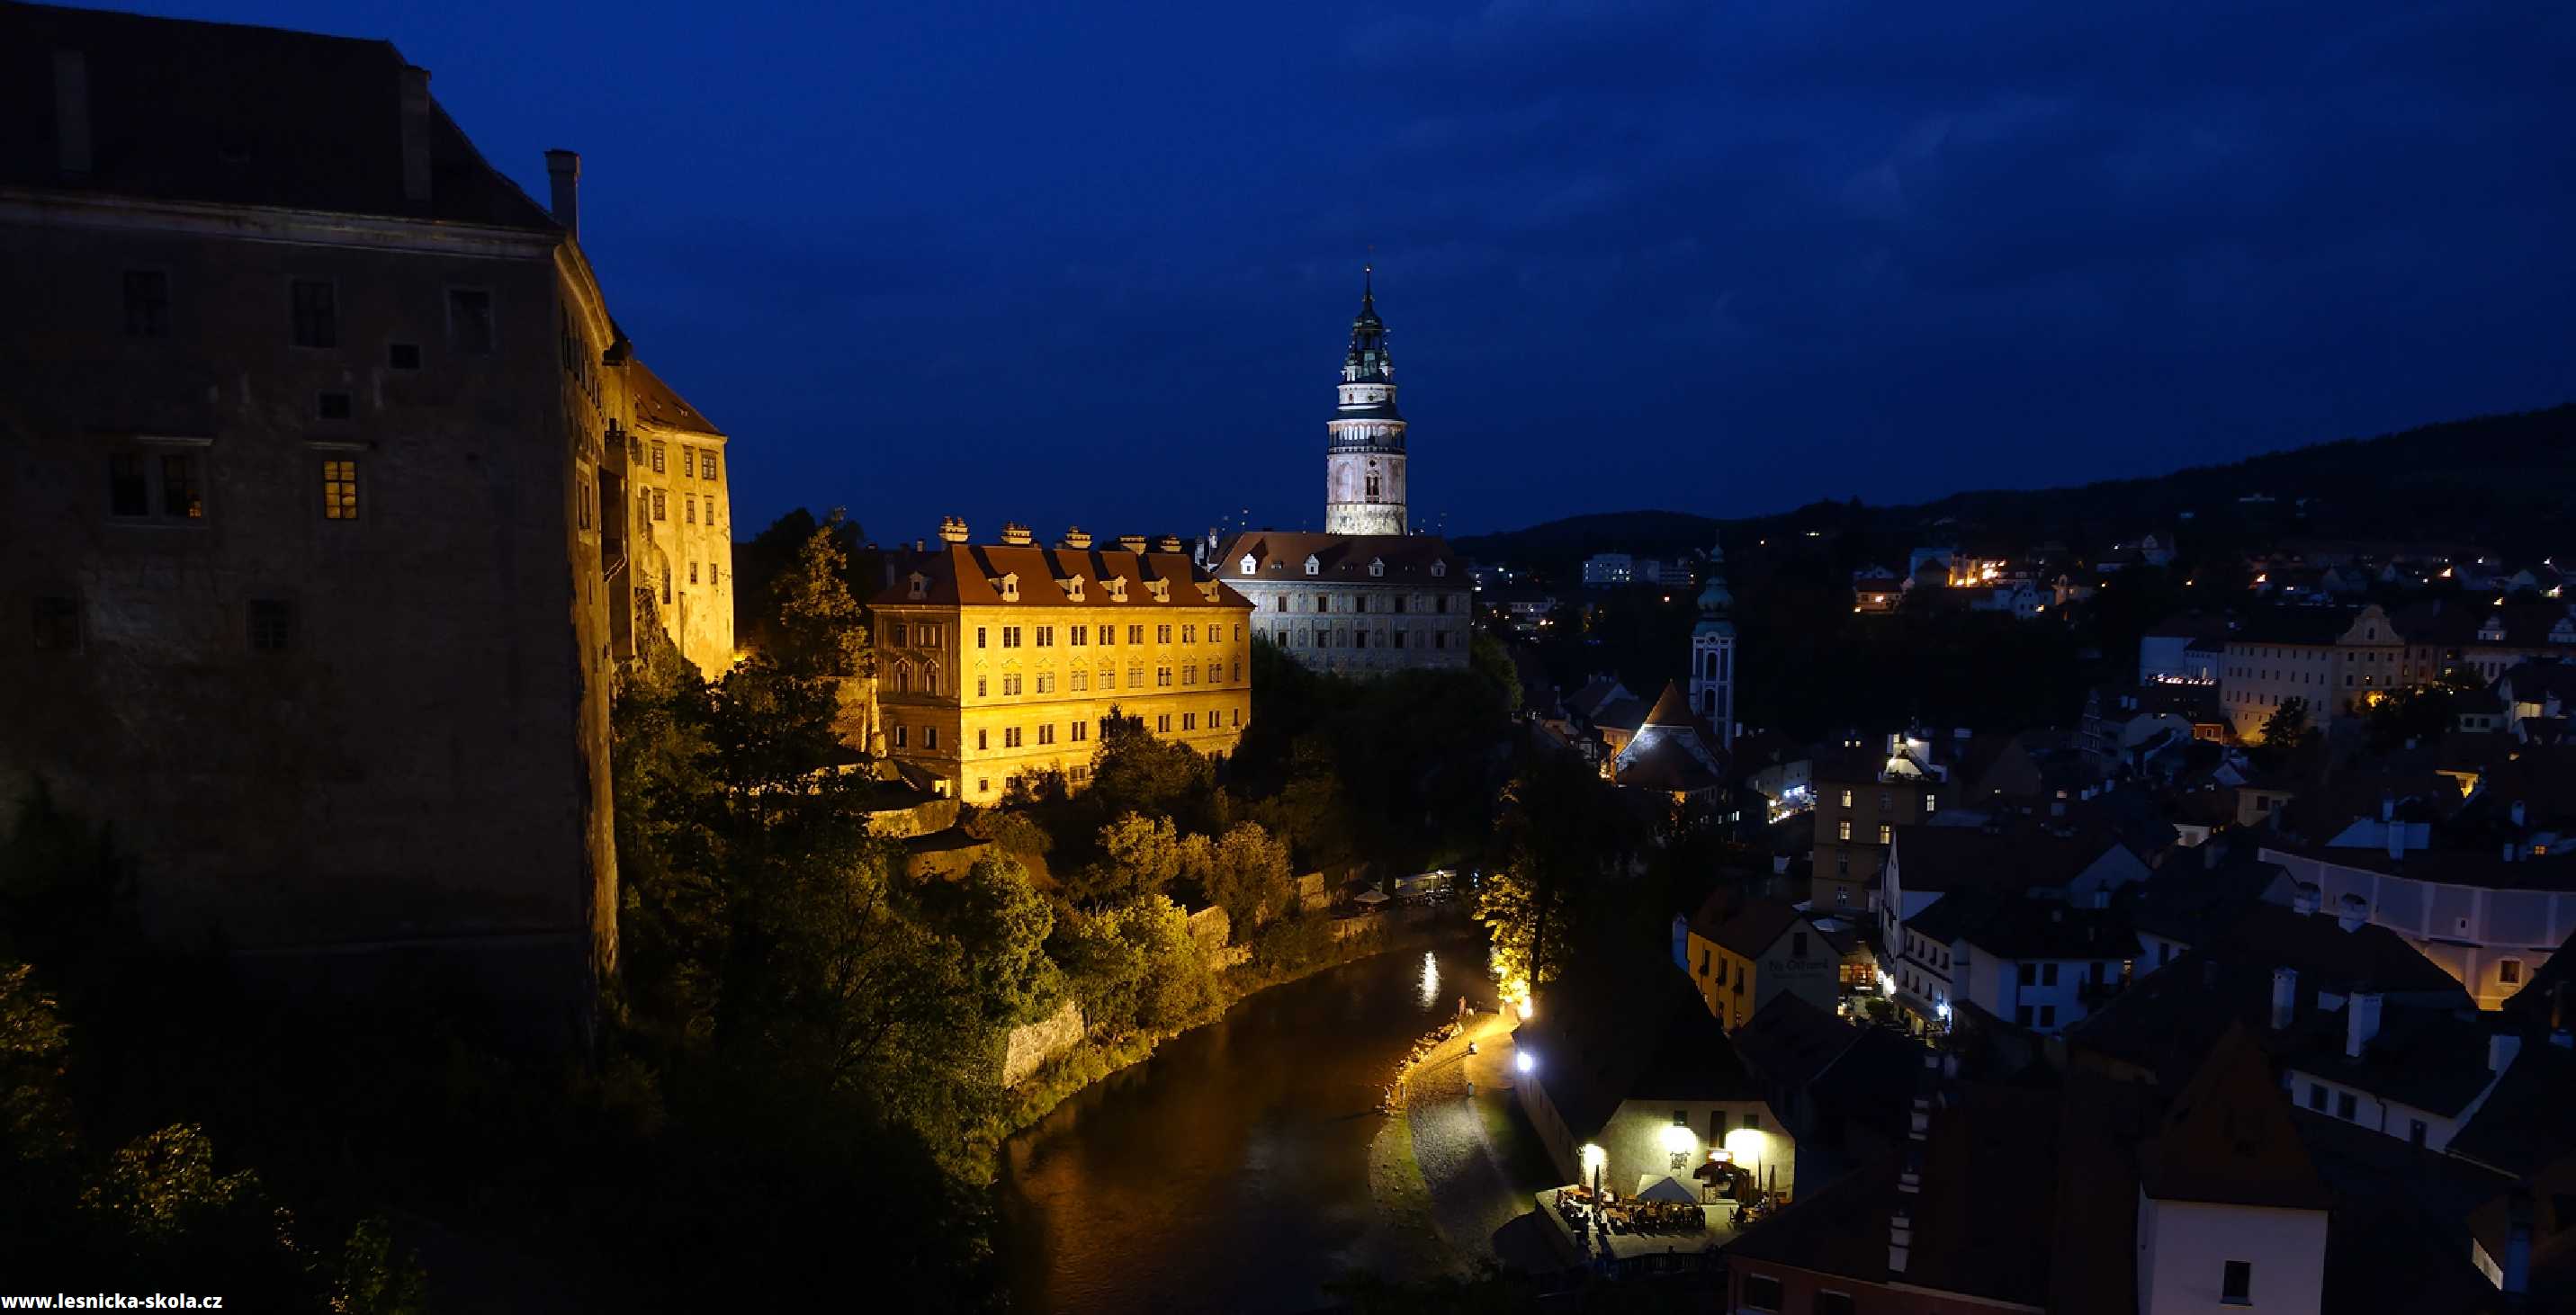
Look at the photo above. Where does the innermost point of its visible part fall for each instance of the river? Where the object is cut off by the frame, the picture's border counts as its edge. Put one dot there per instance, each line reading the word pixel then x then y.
pixel 1230 1171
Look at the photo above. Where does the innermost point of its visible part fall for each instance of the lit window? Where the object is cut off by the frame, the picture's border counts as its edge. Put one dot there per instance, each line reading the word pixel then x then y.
pixel 661 506
pixel 340 490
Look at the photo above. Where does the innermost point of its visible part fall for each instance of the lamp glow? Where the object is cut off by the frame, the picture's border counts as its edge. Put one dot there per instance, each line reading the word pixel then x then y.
pixel 1679 1140
pixel 1525 1062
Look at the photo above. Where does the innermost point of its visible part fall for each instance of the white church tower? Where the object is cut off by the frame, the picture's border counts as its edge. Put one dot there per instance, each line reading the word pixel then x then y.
pixel 1712 678
pixel 1364 453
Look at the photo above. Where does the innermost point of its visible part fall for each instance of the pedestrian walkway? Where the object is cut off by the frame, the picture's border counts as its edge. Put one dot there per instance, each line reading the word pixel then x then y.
pixel 1479 1159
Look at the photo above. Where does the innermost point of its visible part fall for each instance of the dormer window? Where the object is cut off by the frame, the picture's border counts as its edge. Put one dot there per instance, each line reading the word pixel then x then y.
pixel 1377 568
pixel 920 587
pixel 1207 590
pixel 1073 587
pixel 1439 569
pixel 1117 588
pixel 1009 585
pixel 1247 564
pixel 1160 589
pixel 1314 564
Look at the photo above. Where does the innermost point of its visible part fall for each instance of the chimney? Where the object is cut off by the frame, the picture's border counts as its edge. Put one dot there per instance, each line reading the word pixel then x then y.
pixel 71 111
pixel 2285 997
pixel 952 529
pixel 2354 911
pixel 563 170
pixel 1900 1240
pixel 1134 543
pixel 1168 543
pixel 2501 1049
pixel 1076 537
pixel 2305 897
pixel 415 134
pixel 2360 1022
pixel 1015 534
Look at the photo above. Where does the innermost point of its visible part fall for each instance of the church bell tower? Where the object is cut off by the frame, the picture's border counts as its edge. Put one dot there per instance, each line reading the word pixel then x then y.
pixel 1364 450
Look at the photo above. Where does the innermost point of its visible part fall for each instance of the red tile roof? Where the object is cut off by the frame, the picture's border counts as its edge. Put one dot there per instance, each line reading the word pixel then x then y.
pixel 968 573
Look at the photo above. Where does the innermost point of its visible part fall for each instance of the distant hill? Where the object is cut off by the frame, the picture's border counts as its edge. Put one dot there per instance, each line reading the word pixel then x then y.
pixel 2506 482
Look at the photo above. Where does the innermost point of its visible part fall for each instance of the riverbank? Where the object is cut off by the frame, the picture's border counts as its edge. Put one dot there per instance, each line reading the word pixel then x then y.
pixel 1299 953
pixel 1460 1162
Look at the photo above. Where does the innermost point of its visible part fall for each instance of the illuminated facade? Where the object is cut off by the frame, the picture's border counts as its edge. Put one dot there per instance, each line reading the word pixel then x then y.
pixel 680 548
pixel 1364 450
pixel 1364 597
pixel 997 661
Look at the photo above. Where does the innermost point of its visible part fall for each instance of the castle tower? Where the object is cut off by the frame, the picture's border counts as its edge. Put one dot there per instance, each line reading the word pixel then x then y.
pixel 1364 453
pixel 1712 678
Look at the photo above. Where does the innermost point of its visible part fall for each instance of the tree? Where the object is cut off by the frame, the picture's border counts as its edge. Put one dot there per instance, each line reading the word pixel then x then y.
pixel 1490 659
pixel 2287 726
pixel 1567 835
pixel 1245 872
pixel 1139 855
pixel 820 629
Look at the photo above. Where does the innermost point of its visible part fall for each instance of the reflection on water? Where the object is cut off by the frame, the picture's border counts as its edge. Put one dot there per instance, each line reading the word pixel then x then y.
pixel 1230 1171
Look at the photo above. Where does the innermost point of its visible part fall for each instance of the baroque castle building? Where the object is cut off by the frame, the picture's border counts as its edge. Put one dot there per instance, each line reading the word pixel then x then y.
pixel 998 661
pixel 1365 595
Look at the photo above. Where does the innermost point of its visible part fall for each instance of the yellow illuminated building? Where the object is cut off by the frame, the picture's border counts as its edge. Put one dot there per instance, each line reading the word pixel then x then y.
pixel 997 661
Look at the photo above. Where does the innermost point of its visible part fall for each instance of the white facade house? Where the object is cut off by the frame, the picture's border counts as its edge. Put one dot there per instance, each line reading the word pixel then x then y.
pixel 1609 568
pixel 2231 1213
pixel 2490 920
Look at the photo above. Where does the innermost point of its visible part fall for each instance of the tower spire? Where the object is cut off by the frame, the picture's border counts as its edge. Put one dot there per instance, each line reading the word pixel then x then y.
pixel 1364 451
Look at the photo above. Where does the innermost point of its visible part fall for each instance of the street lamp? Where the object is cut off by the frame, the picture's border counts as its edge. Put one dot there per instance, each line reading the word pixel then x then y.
pixel 1526 1062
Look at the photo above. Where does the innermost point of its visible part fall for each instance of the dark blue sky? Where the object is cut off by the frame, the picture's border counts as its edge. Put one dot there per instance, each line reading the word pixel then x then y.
pixel 1096 263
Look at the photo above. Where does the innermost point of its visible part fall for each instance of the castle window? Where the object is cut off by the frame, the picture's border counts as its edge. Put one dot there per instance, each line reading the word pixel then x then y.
pixel 1314 566
pixel 666 586
pixel 707 466
pixel 902 678
pixel 690 502
pixel 979 636
pixel 57 626
pixel 661 506
pixel 982 740
pixel 1162 634
pixel 1108 636
pixel 930 737
pixel 469 321
pixel 1136 675
pixel 1372 486
pixel 147 303
pixel 901 735
pixel 1214 672
pixel 1108 678
pixel 138 482
pixel 895 632
pixel 1046 682
pixel 1010 737
pixel 1189 721
pixel 657 458
pixel 1280 604
pixel 1081 732
pixel 1162 677
pixel 1080 681
pixel 340 490
pixel 1046 733
pixel 1163 723
pixel 316 313
pixel 272 625
pixel 1077 635
pixel 1010 636
pixel 693 572
pixel 1189 675
pixel 1046 636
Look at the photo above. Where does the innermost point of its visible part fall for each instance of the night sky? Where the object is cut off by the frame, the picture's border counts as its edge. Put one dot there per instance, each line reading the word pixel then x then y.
pixel 1096 263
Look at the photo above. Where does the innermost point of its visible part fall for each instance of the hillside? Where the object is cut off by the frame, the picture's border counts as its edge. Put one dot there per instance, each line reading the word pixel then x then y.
pixel 2506 482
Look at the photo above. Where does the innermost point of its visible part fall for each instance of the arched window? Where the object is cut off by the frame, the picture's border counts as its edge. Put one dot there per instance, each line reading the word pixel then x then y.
pixel 903 678
pixel 1372 486
pixel 930 679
